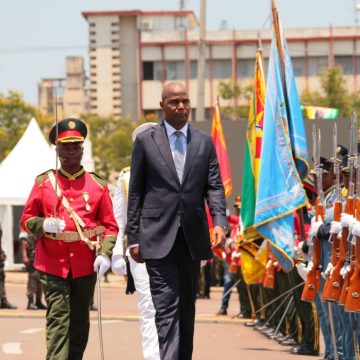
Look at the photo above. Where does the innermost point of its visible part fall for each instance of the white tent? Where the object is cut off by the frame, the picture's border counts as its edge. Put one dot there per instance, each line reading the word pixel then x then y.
pixel 31 156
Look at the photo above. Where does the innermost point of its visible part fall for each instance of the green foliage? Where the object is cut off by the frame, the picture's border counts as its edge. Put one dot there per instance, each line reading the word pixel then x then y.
pixel 334 93
pixel 233 93
pixel 111 143
pixel 15 115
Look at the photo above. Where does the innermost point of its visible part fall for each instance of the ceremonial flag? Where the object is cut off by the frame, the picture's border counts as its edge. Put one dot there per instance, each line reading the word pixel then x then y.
pixel 317 112
pixel 284 158
pixel 252 151
pixel 252 263
pixel 217 135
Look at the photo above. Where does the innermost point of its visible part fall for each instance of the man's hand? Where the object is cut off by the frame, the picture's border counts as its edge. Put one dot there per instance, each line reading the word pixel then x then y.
pixel 118 265
pixel 53 225
pixel 218 237
pixel 101 265
pixel 135 254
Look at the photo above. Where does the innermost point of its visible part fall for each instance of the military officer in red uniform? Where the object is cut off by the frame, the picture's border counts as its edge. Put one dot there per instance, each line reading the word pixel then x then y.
pixel 65 253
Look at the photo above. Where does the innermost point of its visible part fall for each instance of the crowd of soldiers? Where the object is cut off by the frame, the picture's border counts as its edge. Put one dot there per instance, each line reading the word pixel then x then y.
pixel 322 291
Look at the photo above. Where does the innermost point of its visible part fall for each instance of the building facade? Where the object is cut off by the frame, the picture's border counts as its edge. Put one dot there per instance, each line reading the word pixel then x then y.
pixel 134 53
pixel 71 91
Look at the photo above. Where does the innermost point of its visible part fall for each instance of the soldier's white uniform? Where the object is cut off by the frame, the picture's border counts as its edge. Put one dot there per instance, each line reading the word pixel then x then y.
pixel 150 342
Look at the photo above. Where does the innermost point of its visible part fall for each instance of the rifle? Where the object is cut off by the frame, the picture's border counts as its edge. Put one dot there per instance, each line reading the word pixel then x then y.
pixel 335 286
pixel 335 242
pixel 350 255
pixel 352 303
pixel 312 283
pixel 269 278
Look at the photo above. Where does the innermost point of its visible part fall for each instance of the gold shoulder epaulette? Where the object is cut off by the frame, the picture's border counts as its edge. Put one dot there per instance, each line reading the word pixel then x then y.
pixel 98 179
pixel 125 169
pixel 40 178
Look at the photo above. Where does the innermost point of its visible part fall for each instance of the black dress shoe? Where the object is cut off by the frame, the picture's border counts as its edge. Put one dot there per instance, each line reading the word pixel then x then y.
pixel 289 342
pixel 241 316
pixel 4 304
pixel 31 306
pixel 40 305
pixel 221 312
pixel 301 350
pixel 282 338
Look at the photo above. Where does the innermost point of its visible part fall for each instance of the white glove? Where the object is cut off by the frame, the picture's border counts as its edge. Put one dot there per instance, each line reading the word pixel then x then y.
pixel 347 220
pixel 101 265
pixel 328 270
pixel 344 270
pixel 310 266
pixel 314 228
pixel 203 263
pixel 301 268
pixel 118 265
pixel 53 225
pixel 356 228
pixel 335 227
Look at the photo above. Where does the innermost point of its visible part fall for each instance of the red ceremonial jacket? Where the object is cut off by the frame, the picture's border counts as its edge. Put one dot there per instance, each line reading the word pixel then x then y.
pixel 89 196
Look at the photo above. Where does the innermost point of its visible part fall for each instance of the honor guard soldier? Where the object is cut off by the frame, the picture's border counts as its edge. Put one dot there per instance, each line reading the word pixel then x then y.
pixel 70 210
pixel 150 343
pixel 4 304
pixel 28 244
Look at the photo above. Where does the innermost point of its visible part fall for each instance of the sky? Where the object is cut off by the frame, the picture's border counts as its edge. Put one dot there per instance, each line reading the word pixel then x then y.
pixel 37 35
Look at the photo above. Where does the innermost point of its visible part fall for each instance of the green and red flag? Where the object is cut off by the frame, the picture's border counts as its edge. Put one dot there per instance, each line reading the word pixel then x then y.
pixel 253 151
pixel 253 257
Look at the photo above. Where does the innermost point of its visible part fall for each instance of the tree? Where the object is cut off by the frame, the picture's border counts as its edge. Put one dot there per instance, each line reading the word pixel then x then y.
pixel 111 141
pixel 15 115
pixel 334 92
pixel 233 93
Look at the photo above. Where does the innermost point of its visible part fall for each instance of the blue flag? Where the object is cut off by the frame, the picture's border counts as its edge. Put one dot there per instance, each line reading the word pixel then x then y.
pixel 284 148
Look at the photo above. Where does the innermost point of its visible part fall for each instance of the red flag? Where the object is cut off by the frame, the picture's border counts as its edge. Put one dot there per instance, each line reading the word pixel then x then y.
pixel 219 140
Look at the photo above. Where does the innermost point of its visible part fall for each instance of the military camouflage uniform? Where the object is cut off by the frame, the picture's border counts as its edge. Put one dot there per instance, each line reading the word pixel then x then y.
pixel 2 271
pixel 33 284
pixel 4 304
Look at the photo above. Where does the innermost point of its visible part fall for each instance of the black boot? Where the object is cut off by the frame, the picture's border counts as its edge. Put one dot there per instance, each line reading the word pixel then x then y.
pixel 4 304
pixel 31 306
pixel 40 305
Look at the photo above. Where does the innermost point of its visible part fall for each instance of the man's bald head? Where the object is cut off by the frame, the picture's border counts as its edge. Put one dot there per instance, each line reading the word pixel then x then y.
pixel 173 87
pixel 176 104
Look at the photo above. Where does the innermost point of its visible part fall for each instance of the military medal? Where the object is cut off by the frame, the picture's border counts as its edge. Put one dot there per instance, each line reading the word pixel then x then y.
pixel 86 198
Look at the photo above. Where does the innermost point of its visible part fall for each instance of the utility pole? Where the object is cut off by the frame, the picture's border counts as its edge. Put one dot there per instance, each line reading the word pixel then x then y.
pixel 200 106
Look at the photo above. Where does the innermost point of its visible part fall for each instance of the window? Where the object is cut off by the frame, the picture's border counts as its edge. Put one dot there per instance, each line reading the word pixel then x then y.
pixel 158 70
pixel 92 25
pixel 221 69
pixel 317 64
pixel 193 69
pixel 346 62
pixel 298 66
pixel 245 68
pixel 175 70
pixel 148 70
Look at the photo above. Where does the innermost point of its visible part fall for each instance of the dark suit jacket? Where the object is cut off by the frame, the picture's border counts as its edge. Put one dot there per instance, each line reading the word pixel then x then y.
pixel 157 202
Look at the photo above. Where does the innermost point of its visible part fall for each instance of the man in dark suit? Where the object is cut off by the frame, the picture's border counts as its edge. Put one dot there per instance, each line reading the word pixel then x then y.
pixel 174 169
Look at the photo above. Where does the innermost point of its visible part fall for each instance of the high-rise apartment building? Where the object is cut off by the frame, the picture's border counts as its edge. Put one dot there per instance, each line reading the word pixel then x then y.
pixel 133 53
pixel 71 91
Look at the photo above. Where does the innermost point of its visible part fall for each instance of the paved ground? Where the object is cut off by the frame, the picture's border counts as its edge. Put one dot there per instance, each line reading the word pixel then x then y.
pixel 22 331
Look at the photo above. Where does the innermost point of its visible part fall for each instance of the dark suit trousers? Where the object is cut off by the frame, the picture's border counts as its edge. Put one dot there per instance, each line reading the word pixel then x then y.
pixel 173 283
